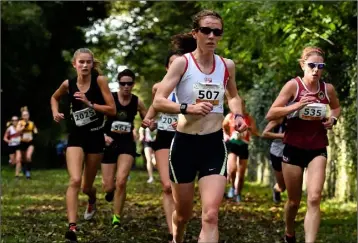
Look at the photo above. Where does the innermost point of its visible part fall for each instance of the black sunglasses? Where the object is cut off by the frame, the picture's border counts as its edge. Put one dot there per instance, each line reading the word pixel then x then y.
pixel 208 30
pixel 313 65
pixel 126 83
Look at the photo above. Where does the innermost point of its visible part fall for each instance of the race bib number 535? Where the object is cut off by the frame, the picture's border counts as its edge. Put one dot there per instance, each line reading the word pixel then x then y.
pixel 84 117
pixel 313 112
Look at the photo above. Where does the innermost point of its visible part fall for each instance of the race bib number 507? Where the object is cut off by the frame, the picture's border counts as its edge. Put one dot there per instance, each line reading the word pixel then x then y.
pixel 208 92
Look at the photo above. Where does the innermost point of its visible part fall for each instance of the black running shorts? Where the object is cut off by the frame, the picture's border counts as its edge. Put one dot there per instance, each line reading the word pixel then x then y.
pixel 118 147
pixel 197 154
pixel 301 157
pixel 25 145
pixel 13 149
pixel 163 140
pixel 276 162
pixel 90 142
pixel 242 150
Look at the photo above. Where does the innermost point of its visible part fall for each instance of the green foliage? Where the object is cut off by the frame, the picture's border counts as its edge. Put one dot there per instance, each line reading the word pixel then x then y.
pixel 39 38
pixel 265 39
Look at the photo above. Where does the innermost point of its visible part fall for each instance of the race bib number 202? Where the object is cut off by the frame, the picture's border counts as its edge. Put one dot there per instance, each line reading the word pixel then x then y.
pixel 166 121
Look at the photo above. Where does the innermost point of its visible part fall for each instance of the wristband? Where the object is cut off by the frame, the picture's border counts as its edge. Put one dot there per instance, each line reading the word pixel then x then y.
pixel 91 105
pixel 238 115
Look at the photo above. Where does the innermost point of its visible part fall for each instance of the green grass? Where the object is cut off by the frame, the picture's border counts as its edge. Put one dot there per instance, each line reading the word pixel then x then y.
pixel 34 211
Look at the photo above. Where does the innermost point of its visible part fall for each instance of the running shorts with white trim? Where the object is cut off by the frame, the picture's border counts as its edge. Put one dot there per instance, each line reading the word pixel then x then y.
pixel 197 154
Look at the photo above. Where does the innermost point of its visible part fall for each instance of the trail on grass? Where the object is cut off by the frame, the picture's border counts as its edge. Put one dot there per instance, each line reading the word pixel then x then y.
pixel 34 211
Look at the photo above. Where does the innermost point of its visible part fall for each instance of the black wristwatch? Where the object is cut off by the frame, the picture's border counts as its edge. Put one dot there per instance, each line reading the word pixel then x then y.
pixel 183 108
pixel 334 120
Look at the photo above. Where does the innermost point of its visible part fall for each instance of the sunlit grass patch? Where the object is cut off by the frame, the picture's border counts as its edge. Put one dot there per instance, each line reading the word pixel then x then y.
pixel 35 211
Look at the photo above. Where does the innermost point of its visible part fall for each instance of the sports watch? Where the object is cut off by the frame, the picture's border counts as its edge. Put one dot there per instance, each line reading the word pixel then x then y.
pixel 183 107
pixel 334 120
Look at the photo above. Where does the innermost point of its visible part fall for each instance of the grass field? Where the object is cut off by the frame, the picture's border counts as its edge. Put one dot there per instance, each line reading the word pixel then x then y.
pixel 34 211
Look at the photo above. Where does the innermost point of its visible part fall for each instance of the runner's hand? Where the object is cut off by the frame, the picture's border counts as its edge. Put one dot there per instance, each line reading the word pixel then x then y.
pixel 146 122
pixel 305 101
pixel 328 123
pixel 82 97
pixel 57 117
pixel 202 108
pixel 108 140
pixel 240 124
pixel 174 125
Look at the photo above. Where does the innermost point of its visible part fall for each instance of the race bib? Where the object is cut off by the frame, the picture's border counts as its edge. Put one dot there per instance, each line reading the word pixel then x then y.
pixel 121 127
pixel 27 136
pixel 209 92
pixel 165 122
pixel 17 140
pixel 313 112
pixel 84 117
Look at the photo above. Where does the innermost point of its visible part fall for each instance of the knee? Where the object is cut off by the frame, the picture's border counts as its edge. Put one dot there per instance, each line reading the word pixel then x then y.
pixel 75 182
pixel 314 199
pixel 107 185
pixel 293 204
pixel 183 217
pixel 167 189
pixel 121 183
pixel 210 216
pixel 231 170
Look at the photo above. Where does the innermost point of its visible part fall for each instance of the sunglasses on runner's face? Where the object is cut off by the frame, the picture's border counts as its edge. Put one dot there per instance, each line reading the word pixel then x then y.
pixel 126 83
pixel 313 65
pixel 208 30
pixel 14 120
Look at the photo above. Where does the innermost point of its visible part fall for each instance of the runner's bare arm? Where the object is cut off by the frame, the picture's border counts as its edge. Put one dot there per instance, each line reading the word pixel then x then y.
pixel 233 99
pixel 110 107
pixel 170 80
pixel 55 98
pixel 278 108
pixel 267 131
pixel 142 110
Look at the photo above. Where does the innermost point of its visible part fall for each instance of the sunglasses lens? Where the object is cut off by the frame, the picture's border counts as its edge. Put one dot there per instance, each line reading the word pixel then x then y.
pixel 217 32
pixel 311 65
pixel 205 30
pixel 320 66
pixel 126 83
